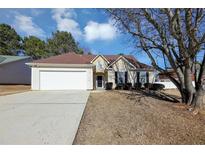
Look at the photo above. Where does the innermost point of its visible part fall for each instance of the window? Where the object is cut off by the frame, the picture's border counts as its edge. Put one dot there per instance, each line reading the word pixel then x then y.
pixel 121 77
pixel 99 65
pixel 143 77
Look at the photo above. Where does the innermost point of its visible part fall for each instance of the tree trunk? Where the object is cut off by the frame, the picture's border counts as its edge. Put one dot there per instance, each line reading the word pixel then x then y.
pixel 199 99
pixel 189 85
pixel 184 95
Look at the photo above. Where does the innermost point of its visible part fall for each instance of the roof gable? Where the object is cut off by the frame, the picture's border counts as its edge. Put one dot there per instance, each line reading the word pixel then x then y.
pixel 122 57
pixel 97 56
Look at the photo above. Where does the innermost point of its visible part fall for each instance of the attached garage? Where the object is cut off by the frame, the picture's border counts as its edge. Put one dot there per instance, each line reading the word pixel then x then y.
pixel 69 71
pixel 61 76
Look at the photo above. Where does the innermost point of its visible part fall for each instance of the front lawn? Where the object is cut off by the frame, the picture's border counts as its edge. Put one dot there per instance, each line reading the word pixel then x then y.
pixel 114 117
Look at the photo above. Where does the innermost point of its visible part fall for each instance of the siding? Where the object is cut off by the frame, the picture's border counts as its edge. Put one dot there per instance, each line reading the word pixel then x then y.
pixel 15 72
pixel 123 66
pixel 102 62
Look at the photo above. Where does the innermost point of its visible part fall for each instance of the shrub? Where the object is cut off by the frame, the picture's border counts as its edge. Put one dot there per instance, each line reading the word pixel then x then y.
pixel 108 86
pixel 127 86
pixel 138 85
pixel 119 86
pixel 157 86
pixel 148 85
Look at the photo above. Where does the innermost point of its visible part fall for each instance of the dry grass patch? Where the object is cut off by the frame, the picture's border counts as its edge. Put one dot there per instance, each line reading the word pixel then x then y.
pixel 12 89
pixel 119 118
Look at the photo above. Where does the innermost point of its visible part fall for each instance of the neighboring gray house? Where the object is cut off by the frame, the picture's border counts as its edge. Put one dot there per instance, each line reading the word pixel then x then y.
pixel 14 71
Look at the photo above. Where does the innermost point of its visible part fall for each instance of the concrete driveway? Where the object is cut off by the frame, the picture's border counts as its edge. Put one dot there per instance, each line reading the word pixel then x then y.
pixel 41 117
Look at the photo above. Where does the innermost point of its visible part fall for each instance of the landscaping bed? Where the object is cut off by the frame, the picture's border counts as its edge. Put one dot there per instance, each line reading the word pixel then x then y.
pixel 115 117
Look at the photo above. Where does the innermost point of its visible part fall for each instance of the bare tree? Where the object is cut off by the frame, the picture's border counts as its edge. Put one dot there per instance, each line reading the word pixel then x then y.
pixel 177 34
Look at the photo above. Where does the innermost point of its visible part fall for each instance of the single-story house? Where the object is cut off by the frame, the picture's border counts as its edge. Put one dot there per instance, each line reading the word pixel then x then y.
pixel 75 71
pixel 162 78
pixel 13 70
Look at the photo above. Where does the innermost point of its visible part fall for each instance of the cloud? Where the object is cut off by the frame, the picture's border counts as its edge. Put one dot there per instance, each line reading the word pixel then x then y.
pixel 26 25
pixel 99 31
pixel 36 12
pixel 65 21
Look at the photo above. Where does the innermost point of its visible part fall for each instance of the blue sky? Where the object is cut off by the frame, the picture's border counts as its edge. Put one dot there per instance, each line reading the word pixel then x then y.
pixel 92 28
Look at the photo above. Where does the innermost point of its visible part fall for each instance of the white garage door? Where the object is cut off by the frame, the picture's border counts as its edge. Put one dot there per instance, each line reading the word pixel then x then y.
pixel 59 80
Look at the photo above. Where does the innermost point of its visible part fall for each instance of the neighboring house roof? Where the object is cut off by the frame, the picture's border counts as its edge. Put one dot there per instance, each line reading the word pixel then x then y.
pixel 171 71
pixel 163 76
pixel 4 59
pixel 73 58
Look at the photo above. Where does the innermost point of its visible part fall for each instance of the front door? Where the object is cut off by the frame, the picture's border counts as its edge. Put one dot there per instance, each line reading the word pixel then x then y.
pixel 99 82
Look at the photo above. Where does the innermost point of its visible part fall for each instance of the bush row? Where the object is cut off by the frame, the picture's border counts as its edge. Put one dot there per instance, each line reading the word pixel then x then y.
pixel 128 86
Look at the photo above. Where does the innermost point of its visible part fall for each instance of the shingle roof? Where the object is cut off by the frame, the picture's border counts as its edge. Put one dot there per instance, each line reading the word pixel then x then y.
pixel 8 59
pixel 67 58
pixel 73 58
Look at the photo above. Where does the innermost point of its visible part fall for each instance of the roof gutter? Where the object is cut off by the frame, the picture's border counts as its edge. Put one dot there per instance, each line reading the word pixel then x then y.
pixel 60 65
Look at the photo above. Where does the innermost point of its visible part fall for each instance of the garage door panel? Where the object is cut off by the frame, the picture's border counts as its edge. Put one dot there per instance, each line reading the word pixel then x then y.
pixel 63 80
